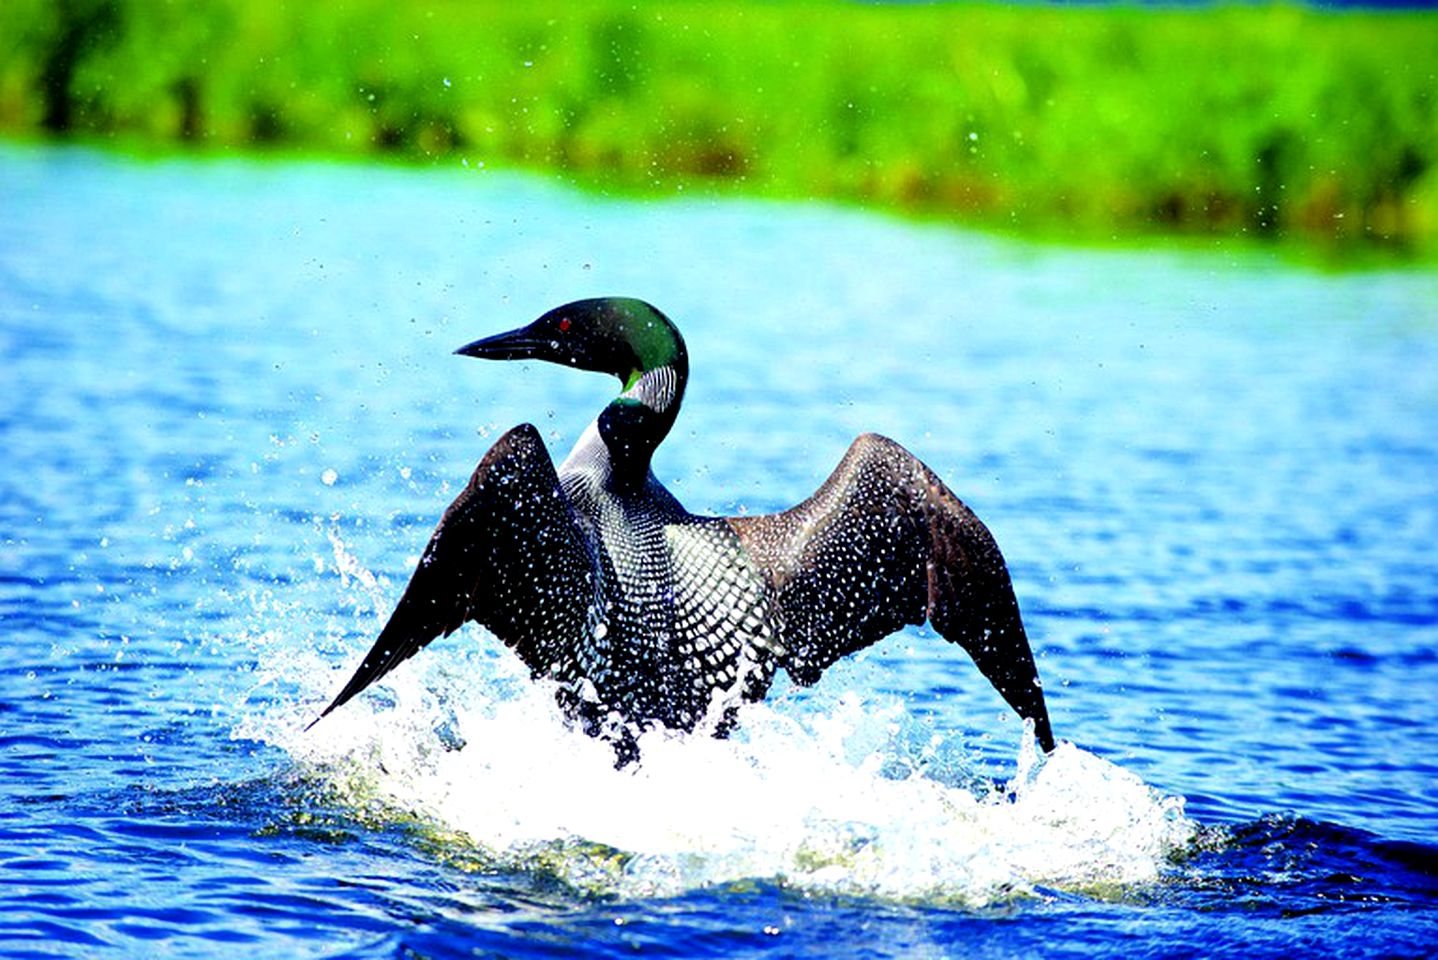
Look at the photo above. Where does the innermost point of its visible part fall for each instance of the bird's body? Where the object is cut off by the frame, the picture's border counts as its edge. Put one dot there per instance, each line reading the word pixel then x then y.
pixel 678 624
pixel 646 614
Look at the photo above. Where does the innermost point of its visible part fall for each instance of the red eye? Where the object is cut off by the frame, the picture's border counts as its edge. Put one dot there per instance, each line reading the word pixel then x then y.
pixel 563 324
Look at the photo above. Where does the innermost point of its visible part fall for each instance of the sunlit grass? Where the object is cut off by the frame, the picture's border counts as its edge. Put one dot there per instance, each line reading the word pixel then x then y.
pixel 1267 121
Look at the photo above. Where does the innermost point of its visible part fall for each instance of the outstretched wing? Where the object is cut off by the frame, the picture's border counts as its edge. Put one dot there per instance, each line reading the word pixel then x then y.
pixel 881 544
pixel 508 554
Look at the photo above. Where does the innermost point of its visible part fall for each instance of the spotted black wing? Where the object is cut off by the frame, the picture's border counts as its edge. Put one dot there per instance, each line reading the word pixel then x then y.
pixel 884 543
pixel 508 554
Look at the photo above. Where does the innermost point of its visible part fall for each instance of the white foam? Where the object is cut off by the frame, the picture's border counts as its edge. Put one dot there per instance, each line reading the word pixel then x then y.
pixel 806 798
pixel 823 792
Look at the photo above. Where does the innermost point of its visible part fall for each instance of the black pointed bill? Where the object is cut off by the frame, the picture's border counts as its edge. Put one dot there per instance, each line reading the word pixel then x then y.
pixel 518 344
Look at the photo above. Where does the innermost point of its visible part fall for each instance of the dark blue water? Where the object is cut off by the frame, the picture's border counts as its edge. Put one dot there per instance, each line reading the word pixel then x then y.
pixel 230 419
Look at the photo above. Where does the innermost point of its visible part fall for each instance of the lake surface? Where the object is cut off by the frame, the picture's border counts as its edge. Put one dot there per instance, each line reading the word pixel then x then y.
pixel 231 418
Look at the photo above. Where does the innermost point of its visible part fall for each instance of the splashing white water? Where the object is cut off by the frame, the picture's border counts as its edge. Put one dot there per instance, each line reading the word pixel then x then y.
pixel 782 800
pixel 810 799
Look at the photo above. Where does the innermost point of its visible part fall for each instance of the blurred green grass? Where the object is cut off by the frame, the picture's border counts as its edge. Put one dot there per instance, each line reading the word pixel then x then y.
pixel 1271 121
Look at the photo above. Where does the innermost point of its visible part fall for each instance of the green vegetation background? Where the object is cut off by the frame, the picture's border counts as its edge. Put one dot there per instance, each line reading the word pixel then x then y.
pixel 1095 121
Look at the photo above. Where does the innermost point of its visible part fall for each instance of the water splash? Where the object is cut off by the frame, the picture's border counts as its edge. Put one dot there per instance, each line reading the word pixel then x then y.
pixel 832 791
pixel 465 741
pixel 349 567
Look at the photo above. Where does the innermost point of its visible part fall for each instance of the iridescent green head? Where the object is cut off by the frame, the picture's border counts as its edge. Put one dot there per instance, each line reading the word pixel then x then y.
pixel 616 335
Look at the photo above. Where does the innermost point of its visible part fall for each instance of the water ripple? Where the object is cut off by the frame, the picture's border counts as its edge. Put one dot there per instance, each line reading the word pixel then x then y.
pixel 1213 485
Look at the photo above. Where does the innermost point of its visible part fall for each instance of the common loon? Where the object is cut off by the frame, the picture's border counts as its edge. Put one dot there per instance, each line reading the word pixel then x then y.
pixel 646 614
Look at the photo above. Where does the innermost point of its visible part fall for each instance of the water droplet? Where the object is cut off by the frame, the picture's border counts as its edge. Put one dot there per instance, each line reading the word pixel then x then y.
pixel 329 477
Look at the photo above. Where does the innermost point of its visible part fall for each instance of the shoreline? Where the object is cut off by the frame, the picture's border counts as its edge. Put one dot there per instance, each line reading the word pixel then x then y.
pixel 1286 127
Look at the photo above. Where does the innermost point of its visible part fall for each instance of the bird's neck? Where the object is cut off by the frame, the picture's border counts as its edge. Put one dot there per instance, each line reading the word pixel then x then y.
pixel 635 422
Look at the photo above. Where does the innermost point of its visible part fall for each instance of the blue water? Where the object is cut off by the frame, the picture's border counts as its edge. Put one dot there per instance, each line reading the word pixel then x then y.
pixel 230 419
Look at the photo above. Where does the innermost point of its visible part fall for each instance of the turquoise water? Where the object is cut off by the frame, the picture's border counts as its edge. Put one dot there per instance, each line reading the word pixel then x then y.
pixel 231 418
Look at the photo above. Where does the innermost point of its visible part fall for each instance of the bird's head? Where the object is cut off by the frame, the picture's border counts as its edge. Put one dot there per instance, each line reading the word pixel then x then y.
pixel 615 335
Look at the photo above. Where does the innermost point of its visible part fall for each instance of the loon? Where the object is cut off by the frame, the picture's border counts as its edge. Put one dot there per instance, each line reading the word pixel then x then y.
pixel 645 614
